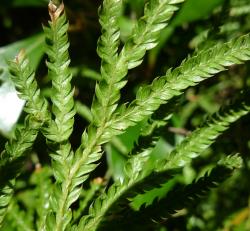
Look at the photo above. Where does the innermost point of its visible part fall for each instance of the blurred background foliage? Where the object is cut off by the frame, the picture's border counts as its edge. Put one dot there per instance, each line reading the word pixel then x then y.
pixel 198 24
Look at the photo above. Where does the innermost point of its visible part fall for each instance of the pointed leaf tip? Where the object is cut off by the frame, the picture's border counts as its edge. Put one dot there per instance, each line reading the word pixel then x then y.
pixel 55 11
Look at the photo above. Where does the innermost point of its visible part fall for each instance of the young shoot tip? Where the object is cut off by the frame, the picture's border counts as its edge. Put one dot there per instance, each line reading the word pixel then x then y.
pixel 55 10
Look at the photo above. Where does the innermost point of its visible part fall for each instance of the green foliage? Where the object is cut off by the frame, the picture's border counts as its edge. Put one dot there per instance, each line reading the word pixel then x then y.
pixel 57 50
pixel 15 150
pixel 140 179
pixel 187 195
pixel 65 197
pixel 34 48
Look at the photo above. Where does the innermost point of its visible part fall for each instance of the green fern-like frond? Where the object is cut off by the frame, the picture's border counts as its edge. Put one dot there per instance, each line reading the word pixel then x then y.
pixel 112 71
pixel 138 158
pixel 146 32
pixel 193 145
pixel 104 104
pixel 198 141
pixel 61 126
pixel 203 137
pixel 60 214
pixel 115 67
pixel 11 159
pixel 108 43
pixel 16 149
pixel 188 195
pixel 57 191
pixel 98 210
pixel 62 97
pixel 108 90
pixel 24 79
pixel 155 129
pixel 117 196
pixel 145 178
pixel 203 65
pixel 36 107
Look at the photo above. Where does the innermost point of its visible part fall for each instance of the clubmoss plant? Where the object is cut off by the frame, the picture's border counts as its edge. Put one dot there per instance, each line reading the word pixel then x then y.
pixel 63 202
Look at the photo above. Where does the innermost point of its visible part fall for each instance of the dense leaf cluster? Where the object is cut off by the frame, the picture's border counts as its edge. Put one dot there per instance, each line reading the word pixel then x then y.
pixel 66 204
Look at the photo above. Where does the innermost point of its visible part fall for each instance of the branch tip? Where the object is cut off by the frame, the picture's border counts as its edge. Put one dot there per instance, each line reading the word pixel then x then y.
pixel 55 10
pixel 20 56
